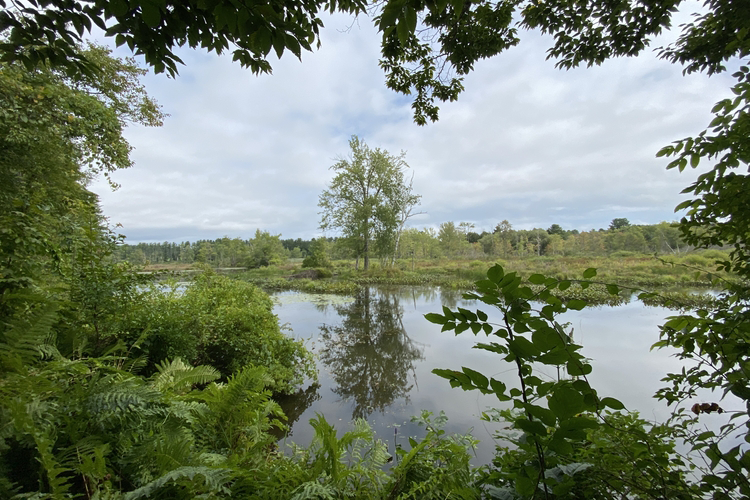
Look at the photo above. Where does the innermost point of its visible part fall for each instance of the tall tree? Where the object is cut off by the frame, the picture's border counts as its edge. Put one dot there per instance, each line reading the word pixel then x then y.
pixel 407 200
pixel 365 200
pixel 56 133
pixel 618 223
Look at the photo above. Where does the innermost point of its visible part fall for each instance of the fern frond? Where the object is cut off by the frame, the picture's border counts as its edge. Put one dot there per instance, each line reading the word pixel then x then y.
pixel 178 376
pixel 135 365
pixel 313 490
pixel 19 344
pixel 215 481
pixel 122 397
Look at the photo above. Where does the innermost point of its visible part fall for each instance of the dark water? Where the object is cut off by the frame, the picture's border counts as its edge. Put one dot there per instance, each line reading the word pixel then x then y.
pixel 376 352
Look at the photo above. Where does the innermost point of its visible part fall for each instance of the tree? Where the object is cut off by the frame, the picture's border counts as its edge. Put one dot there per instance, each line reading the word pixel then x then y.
pixel 265 250
pixel 370 354
pixel 451 238
pixel 366 199
pixel 407 200
pixel 56 133
pixel 556 229
pixel 618 223
pixel 318 254
pixel 49 31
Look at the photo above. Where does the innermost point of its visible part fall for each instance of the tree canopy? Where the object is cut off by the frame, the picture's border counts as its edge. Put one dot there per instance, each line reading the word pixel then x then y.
pixel 427 47
pixel 367 198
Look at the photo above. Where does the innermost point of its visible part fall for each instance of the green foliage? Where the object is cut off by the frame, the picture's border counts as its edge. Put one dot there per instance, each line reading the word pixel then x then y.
pixel 265 250
pixel 626 457
pixel 318 255
pixel 453 36
pixel 224 323
pixel 367 199
pixel 619 223
pixel 436 467
pixel 555 418
pixel 49 32
pixel 75 427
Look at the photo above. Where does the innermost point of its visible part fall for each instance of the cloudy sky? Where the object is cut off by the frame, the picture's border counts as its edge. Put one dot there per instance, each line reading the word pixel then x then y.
pixel 525 142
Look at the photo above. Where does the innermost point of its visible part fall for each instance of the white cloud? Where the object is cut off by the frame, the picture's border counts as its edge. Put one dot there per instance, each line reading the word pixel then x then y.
pixel 525 142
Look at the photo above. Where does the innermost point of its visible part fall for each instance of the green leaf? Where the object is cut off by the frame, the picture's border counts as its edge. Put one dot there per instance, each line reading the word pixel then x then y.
pixel 576 304
pixel 495 273
pixel 477 378
pixel 564 285
pixel 470 316
pixel 612 403
pixel 389 15
pixel 150 14
pixel 531 426
pixel 545 415
pixel 613 289
pixel 448 313
pixel 546 339
pixel 499 389
pixel 435 318
pixel 576 368
pixel 448 326
pixel 565 402
pixel 589 273
pixel 457 6
pixel 537 279
pixel 560 446
pixel 492 347
pixel 481 315
pixel 119 8
pixel 402 30
pixel 410 16
pixel 523 348
pixel 524 486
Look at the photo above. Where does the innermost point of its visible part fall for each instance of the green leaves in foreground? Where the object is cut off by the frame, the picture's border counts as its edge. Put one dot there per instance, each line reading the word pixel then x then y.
pixel 556 416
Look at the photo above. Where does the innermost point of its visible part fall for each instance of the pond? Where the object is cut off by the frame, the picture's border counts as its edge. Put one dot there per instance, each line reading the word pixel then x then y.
pixel 375 353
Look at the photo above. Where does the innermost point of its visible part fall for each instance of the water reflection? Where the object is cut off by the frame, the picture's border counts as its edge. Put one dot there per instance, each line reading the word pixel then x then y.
pixel 294 405
pixel 369 354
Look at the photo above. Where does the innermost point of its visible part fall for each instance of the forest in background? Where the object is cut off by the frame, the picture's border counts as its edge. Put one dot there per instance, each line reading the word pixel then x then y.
pixel 450 240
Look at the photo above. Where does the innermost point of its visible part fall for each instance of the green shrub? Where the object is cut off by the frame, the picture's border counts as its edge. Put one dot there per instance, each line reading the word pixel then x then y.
pixel 318 255
pixel 225 323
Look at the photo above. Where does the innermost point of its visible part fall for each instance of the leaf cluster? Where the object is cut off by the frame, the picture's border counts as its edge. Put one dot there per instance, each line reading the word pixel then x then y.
pixel 555 418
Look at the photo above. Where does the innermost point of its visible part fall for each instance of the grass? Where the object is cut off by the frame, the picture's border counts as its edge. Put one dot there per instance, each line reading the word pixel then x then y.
pixel 670 276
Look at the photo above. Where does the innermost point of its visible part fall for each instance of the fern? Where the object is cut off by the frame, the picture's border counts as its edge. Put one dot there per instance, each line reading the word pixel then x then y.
pixel 351 464
pixel 179 377
pixel 313 490
pixel 20 343
pixel 215 481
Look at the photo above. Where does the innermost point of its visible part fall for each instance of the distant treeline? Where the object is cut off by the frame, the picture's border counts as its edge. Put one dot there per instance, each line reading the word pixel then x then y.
pixel 450 240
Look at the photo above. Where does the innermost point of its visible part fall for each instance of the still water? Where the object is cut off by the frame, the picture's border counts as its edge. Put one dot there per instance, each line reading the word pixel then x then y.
pixel 375 353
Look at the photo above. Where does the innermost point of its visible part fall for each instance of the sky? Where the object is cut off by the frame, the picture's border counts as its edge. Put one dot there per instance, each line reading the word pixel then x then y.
pixel 525 142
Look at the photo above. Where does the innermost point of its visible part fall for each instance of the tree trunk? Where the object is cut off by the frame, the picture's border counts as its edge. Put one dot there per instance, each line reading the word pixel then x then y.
pixel 367 253
pixel 367 244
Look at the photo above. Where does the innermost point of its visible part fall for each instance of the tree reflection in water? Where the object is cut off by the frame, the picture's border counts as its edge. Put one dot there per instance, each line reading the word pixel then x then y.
pixel 294 405
pixel 370 354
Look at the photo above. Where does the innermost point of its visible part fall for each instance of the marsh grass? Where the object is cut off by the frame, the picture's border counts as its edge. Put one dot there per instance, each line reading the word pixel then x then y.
pixel 675 278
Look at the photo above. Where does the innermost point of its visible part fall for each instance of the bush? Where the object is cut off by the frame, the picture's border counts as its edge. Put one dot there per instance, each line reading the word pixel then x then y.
pixel 318 255
pixel 225 323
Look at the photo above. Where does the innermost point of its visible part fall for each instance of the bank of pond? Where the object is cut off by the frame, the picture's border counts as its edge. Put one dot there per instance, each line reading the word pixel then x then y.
pixel 213 388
